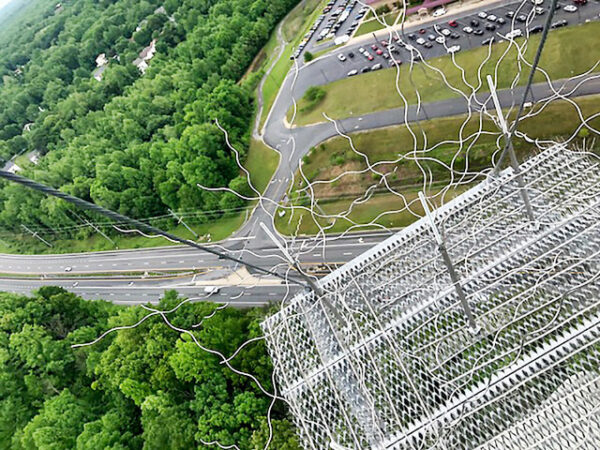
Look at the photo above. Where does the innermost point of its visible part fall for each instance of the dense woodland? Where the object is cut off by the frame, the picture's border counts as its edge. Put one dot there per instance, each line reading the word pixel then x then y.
pixel 149 387
pixel 138 144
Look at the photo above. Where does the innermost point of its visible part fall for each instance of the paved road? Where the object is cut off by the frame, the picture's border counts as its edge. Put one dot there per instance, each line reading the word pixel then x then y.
pixel 250 243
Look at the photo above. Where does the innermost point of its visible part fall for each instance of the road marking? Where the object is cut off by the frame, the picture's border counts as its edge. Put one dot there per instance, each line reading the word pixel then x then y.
pixel 347 253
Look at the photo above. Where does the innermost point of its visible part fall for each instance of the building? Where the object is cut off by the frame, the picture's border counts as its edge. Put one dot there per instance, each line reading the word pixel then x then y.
pixel 474 327
pixel 141 62
pixel 101 60
pixel 12 167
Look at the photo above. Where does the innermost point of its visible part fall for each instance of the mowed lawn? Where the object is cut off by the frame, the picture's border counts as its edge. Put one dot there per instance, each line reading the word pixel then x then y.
pixel 568 51
pixel 557 121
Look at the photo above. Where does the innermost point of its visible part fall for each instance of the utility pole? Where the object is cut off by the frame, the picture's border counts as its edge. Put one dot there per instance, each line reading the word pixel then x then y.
pixel 448 263
pixel 180 221
pixel 95 228
pixel 511 151
pixel 36 235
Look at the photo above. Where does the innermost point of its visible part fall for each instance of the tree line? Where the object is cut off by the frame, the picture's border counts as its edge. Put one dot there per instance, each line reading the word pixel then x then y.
pixel 136 144
pixel 148 387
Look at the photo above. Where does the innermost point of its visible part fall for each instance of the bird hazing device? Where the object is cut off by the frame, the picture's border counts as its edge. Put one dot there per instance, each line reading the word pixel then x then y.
pixel 399 365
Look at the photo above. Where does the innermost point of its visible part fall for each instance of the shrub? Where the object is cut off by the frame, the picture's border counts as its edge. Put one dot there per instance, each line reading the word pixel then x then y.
pixel 308 56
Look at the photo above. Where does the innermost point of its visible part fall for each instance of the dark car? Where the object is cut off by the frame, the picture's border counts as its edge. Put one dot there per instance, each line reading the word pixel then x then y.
pixel 411 36
pixel 454 35
pixel 560 23
pixel 490 27
pixel 350 55
pixel 365 69
pixel 522 18
pixel 510 14
pixel 536 29
pixel 478 32
pixel 427 44
pixel 474 23
pixel 500 21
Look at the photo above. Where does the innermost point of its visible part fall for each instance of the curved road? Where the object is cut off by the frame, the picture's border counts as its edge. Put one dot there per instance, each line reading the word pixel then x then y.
pixel 250 242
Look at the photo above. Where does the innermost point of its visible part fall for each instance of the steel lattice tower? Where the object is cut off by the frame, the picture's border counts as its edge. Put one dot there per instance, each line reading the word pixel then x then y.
pixel 398 366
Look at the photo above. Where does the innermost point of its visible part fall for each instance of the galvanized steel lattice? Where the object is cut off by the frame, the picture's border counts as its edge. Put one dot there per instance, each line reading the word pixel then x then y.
pixel 399 367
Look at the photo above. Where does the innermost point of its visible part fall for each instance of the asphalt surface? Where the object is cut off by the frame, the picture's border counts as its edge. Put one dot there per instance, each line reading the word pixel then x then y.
pixel 250 243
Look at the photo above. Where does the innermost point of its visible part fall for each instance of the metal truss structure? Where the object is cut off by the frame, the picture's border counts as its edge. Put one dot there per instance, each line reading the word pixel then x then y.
pixel 388 358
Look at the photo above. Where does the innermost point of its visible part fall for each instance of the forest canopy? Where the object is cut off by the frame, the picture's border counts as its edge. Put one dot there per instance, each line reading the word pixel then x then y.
pixel 149 387
pixel 136 143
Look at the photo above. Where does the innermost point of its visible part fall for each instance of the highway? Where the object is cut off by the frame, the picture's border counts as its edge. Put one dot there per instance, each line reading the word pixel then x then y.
pixel 250 243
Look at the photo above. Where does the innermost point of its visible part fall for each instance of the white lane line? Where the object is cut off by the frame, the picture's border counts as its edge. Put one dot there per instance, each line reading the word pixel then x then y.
pixel 347 253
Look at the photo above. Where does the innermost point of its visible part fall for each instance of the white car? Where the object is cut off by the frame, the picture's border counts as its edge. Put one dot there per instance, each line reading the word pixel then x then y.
pixel 376 67
pixel 210 290
pixel 513 34
pixel 570 8
pixel 361 50
pixel 453 49
pixel 439 12
pixel 352 72
pixel 440 39
pixel 468 30
pixel 491 18
pixel 537 2
pixel 341 57
pixel 391 48
pixel 482 15
pixel 420 41
pixel 539 10
pixel 445 32
pixel 68 269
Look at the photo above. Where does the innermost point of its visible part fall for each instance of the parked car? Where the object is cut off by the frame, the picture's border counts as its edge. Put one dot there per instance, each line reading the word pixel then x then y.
pixel 373 47
pixel 514 33
pixel 570 8
pixel 522 18
pixel 439 12
pixel 422 31
pixel 379 51
pixel 491 18
pixel 453 23
pixel 539 10
pixel 352 72
pixel 341 57
pixel 427 44
pixel 500 21
pixel 445 32
pixel 537 2
pixel 350 55
pixel 420 41
pixel 490 27
pixel 453 49
pixel 370 57
pixel 536 29
pixel 376 67
pixel 478 32
pixel 560 23
pixel 482 14
pixel 440 39
pixel 474 23
pixel 411 36
pixel 467 30
pixel 365 69
pixel 361 50
pixel 455 35
pixel 431 37
pixel 510 14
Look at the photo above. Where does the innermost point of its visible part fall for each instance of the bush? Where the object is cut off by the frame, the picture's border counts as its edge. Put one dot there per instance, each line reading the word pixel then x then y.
pixel 383 10
pixel 312 97
pixel 308 56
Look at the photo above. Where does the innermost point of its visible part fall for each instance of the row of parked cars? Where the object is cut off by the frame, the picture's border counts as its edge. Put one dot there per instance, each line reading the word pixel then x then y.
pixel 338 17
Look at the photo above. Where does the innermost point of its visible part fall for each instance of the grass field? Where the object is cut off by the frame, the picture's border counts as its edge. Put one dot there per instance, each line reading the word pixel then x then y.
pixel 557 121
pixel 568 51
pixel 261 162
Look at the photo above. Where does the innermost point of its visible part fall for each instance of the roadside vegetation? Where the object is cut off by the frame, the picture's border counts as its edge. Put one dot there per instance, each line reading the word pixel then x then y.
pixel 148 387
pixel 568 52
pixel 261 162
pixel 335 157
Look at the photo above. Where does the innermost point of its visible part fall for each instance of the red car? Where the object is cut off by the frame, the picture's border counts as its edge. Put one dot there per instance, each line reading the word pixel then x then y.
pixel 422 31
pixel 374 47
pixel 453 23
pixel 580 2
pixel 385 43
pixel 370 57
pixel 379 52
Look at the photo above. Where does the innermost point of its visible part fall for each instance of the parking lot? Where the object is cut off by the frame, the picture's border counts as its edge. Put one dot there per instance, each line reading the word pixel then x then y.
pixel 456 33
